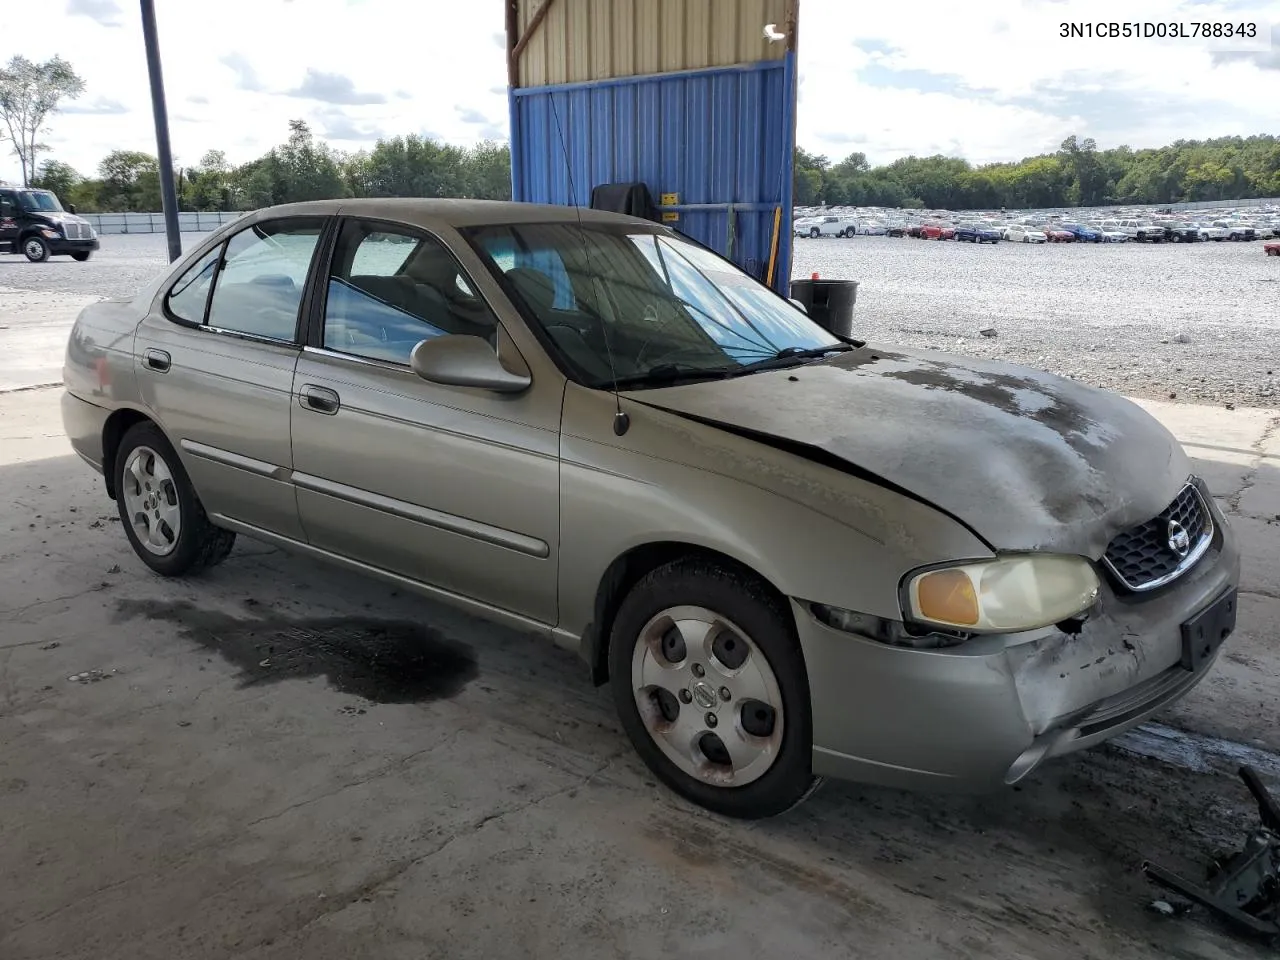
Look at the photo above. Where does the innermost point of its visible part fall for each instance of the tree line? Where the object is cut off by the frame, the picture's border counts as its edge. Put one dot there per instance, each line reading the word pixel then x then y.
pixel 301 168
pixel 1078 174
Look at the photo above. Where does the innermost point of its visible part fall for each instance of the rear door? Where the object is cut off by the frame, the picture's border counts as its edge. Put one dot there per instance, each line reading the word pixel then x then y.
pixel 215 364
pixel 456 487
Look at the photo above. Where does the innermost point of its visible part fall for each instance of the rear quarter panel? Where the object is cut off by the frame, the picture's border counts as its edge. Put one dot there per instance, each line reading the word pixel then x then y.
pixel 99 364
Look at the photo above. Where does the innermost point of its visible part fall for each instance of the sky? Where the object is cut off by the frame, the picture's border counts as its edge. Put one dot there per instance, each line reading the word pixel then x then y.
pixel 988 81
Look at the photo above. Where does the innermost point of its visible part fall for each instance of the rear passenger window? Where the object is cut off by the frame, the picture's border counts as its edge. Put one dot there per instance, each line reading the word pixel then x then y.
pixel 188 297
pixel 259 288
pixel 390 289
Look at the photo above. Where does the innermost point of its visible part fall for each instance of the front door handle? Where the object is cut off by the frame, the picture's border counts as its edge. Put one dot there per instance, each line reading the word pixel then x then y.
pixel 158 360
pixel 320 399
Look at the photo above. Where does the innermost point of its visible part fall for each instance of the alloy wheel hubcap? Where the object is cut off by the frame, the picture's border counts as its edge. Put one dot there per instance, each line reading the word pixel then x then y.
pixel 707 696
pixel 34 249
pixel 151 501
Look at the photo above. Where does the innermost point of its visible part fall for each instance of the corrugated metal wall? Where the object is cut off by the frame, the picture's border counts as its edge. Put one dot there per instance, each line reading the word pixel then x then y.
pixel 720 139
pixel 582 40
pixel 686 96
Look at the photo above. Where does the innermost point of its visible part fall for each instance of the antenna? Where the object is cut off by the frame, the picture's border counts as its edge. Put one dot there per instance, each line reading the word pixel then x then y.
pixel 621 422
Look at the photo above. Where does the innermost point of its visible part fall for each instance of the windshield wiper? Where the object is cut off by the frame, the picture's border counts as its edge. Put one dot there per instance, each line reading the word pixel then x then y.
pixel 790 356
pixel 666 374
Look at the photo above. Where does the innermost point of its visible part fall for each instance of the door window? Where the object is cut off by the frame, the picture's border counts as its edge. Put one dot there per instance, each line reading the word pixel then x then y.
pixel 391 288
pixel 188 298
pixel 259 288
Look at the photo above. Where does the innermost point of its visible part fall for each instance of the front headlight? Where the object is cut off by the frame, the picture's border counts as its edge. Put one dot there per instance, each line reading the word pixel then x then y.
pixel 1007 594
pixel 50 232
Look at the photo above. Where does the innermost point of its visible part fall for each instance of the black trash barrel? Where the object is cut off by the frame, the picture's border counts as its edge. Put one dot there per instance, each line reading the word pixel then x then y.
pixel 829 303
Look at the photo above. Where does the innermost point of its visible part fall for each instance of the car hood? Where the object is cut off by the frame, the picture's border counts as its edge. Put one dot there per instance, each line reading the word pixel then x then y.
pixel 1027 460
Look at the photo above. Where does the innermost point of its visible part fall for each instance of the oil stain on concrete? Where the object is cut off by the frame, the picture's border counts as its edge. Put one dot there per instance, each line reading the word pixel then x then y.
pixel 385 661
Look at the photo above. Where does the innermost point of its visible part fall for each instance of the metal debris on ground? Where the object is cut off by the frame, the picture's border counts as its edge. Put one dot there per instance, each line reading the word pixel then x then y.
pixel 989 332
pixel 1245 889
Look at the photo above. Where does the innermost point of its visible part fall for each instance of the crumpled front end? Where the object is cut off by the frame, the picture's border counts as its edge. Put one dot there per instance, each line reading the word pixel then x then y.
pixel 991 709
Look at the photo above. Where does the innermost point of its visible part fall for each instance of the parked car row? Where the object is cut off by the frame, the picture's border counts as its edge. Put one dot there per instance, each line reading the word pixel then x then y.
pixel 1118 225
pixel 1116 230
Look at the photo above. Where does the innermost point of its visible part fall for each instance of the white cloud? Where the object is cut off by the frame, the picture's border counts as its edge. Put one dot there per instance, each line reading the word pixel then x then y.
pixel 990 80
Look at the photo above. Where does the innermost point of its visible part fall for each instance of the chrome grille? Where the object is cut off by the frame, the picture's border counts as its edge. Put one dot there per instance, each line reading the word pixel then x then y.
pixel 75 231
pixel 1147 556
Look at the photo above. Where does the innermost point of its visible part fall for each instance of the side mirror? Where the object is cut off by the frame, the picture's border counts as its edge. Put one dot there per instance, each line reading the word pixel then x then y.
pixel 71 209
pixel 799 306
pixel 465 361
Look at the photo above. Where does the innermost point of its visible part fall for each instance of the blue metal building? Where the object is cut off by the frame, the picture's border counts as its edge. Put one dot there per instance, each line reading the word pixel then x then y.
pixel 688 96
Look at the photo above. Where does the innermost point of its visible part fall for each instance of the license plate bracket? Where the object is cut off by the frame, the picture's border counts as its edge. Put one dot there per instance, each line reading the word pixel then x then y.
pixel 1203 634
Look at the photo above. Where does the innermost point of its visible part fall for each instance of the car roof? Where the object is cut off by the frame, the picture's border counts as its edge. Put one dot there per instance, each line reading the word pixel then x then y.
pixel 446 211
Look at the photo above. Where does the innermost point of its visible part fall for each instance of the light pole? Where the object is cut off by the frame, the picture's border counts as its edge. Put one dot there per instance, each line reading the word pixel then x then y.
pixel 168 193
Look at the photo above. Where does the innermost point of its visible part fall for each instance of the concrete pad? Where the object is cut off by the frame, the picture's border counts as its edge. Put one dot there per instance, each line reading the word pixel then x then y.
pixel 31 426
pixel 280 760
pixel 1225 444
pixel 1261 497
pixel 1260 557
pixel 34 326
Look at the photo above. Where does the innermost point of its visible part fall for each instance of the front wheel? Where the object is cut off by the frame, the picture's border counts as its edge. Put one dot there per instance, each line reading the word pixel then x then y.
pixel 813 234
pixel 36 250
pixel 82 255
pixel 710 685
pixel 159 510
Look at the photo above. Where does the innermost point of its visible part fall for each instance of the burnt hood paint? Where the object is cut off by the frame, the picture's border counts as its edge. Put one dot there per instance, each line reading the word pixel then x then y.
pixel 1028 460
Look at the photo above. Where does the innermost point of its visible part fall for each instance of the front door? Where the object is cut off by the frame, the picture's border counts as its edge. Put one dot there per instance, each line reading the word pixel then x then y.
pixel 8 221
pixel 456 487
pixel 216 360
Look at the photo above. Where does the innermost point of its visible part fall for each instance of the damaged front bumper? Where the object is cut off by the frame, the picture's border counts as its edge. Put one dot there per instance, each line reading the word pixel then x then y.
pixel 990 710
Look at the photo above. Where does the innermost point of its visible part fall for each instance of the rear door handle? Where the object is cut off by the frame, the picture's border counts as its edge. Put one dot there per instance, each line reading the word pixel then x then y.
pixel 156 359
pixel 320 399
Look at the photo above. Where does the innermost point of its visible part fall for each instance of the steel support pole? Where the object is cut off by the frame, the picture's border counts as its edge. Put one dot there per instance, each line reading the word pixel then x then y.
pixel 168 192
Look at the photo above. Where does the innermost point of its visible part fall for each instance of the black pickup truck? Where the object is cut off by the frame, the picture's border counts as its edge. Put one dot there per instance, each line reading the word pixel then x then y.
pixel 32 222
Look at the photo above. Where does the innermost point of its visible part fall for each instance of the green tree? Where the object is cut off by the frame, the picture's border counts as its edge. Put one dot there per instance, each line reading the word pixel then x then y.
pixel 59 177
pixel 208 184
pixel 808 187
pixel 29 93
pixel 130 181
pixel 488 167
pixel 299 169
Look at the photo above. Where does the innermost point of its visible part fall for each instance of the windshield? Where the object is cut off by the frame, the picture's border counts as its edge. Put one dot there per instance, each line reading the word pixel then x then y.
pixel 623 302
pixel 41 200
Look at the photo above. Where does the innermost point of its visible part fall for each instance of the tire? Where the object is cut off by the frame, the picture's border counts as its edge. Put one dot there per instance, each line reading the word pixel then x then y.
pixel 776 772
pixel 82 256
pixel 814 233
pixel 145 455
pixel 36 249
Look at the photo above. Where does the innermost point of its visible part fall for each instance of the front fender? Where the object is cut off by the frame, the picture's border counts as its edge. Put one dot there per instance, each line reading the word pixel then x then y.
pixel 813 531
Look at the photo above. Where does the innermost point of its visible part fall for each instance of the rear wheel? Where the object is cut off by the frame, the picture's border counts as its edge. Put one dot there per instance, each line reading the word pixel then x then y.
pixel 161 514
pixel 710 686
pixel 35 249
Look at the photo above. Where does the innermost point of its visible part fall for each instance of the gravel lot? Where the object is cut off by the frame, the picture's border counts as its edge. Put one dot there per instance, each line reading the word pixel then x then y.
pixel 1103 314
